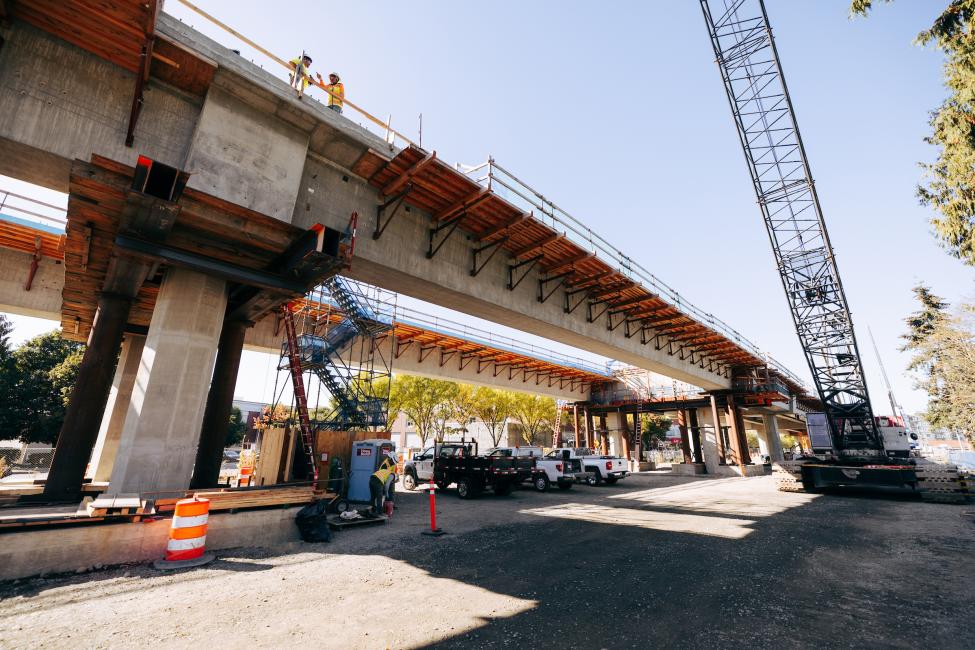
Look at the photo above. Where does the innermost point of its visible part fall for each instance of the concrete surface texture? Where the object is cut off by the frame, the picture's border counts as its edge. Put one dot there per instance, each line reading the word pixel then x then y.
pixel 162 427
pixel 67 103
pixel 117 407
pixel 44 298
pixel 253 143
pixel 654 561
pixel 246 156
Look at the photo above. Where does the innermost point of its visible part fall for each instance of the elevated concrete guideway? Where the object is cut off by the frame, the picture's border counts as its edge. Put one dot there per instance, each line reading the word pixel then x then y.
pixel 203 194
pixel 245 138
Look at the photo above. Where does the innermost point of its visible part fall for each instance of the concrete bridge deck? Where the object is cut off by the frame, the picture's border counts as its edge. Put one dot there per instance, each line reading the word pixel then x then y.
pixel 100 84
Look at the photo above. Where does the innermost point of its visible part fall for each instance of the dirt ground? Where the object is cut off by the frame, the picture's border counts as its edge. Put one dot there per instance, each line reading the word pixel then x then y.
pixel 654 561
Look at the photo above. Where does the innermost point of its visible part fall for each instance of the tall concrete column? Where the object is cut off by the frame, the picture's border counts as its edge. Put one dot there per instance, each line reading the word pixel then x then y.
pixel 709 439
pixel 162 428
pixel 772 439
pixel 103 457
pixel 603 434
pixel 86 406
pixel 220 403
pixel 695 428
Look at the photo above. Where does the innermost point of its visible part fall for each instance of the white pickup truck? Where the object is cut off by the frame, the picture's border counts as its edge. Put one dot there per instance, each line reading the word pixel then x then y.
pixel 598 468
pixel 547 470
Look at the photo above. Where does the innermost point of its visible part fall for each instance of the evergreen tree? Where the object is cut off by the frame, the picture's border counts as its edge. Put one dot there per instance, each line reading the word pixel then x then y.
pixel 950 184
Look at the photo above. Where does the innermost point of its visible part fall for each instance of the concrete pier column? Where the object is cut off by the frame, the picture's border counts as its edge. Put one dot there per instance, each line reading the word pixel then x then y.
pixel 695 428
pixel 736 434
pixel 603 435
pixel 772 439
pixel 162 428
pixel 685 442
pixel 86 406
pixel 106 447
pixel 220 402
pixel 709 439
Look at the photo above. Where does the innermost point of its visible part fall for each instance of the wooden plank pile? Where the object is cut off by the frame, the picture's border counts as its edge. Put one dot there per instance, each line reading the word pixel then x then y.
pixel 241 498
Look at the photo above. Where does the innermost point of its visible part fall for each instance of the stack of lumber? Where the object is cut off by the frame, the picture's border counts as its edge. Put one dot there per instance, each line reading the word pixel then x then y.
pixel 236 499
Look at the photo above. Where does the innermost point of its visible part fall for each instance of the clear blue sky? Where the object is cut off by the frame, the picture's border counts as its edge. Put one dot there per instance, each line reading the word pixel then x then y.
pixel 616 112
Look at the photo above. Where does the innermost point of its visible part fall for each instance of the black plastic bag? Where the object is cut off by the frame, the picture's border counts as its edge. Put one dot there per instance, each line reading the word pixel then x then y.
pixel 312 522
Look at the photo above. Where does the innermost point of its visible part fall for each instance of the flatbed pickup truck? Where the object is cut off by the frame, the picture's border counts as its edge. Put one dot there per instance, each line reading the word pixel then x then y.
pixel 543 471
pixel 599 468
pixel 459 462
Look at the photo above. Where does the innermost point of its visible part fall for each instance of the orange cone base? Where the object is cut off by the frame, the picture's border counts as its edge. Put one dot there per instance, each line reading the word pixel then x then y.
pixel 434 533
pixel 169 565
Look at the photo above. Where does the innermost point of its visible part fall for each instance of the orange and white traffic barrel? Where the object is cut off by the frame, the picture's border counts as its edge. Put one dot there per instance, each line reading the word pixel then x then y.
pixel 187 535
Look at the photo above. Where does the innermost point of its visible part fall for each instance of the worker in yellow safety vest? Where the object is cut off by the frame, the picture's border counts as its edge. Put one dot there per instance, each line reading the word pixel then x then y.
pixel 382 483
pixel 336 92
pixel 300 75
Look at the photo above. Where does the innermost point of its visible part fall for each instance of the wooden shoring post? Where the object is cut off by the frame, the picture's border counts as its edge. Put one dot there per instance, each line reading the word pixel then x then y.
pixel 512 268
pixel 695 435
pixel 603 434
pixel 718 435
pixel 685 443
pixel 396 202
pixel 625 434
pixel 450 225
pixel 559 280
pixel 575 423
pixel 736 435
pixel 494 247
pixel 590 430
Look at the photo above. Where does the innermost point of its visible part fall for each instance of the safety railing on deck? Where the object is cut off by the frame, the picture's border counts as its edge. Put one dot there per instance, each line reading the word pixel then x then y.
pixel 31 209
pixel 523 196
pixel 390 134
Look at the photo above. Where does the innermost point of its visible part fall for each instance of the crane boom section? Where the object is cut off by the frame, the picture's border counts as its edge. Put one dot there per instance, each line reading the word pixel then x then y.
pixel 777 162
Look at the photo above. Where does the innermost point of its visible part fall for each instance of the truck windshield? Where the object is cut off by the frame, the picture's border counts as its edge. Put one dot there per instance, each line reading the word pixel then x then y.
pixel 500 453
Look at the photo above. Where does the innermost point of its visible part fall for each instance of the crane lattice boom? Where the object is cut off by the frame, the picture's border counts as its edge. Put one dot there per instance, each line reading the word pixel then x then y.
pixel 769 135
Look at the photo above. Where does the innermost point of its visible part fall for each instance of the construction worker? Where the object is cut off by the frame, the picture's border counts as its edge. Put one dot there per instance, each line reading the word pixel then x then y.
pixel 299 77
pixel 382 482
pixel 336 92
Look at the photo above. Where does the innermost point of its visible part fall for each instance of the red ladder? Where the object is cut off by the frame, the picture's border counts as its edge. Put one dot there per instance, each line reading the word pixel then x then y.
pixel 301 401
pixel 557 429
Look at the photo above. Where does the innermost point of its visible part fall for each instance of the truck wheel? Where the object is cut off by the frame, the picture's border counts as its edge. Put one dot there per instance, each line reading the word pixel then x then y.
pixel 611 480
pixel 409 481
pixel 504 489
pixel 593 479
pixel 565 485
pixel 465 489
pixel 541 483
pixel 442 484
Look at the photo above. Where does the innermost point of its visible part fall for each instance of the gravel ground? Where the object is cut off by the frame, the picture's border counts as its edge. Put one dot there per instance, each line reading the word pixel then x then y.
pixel 652 561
